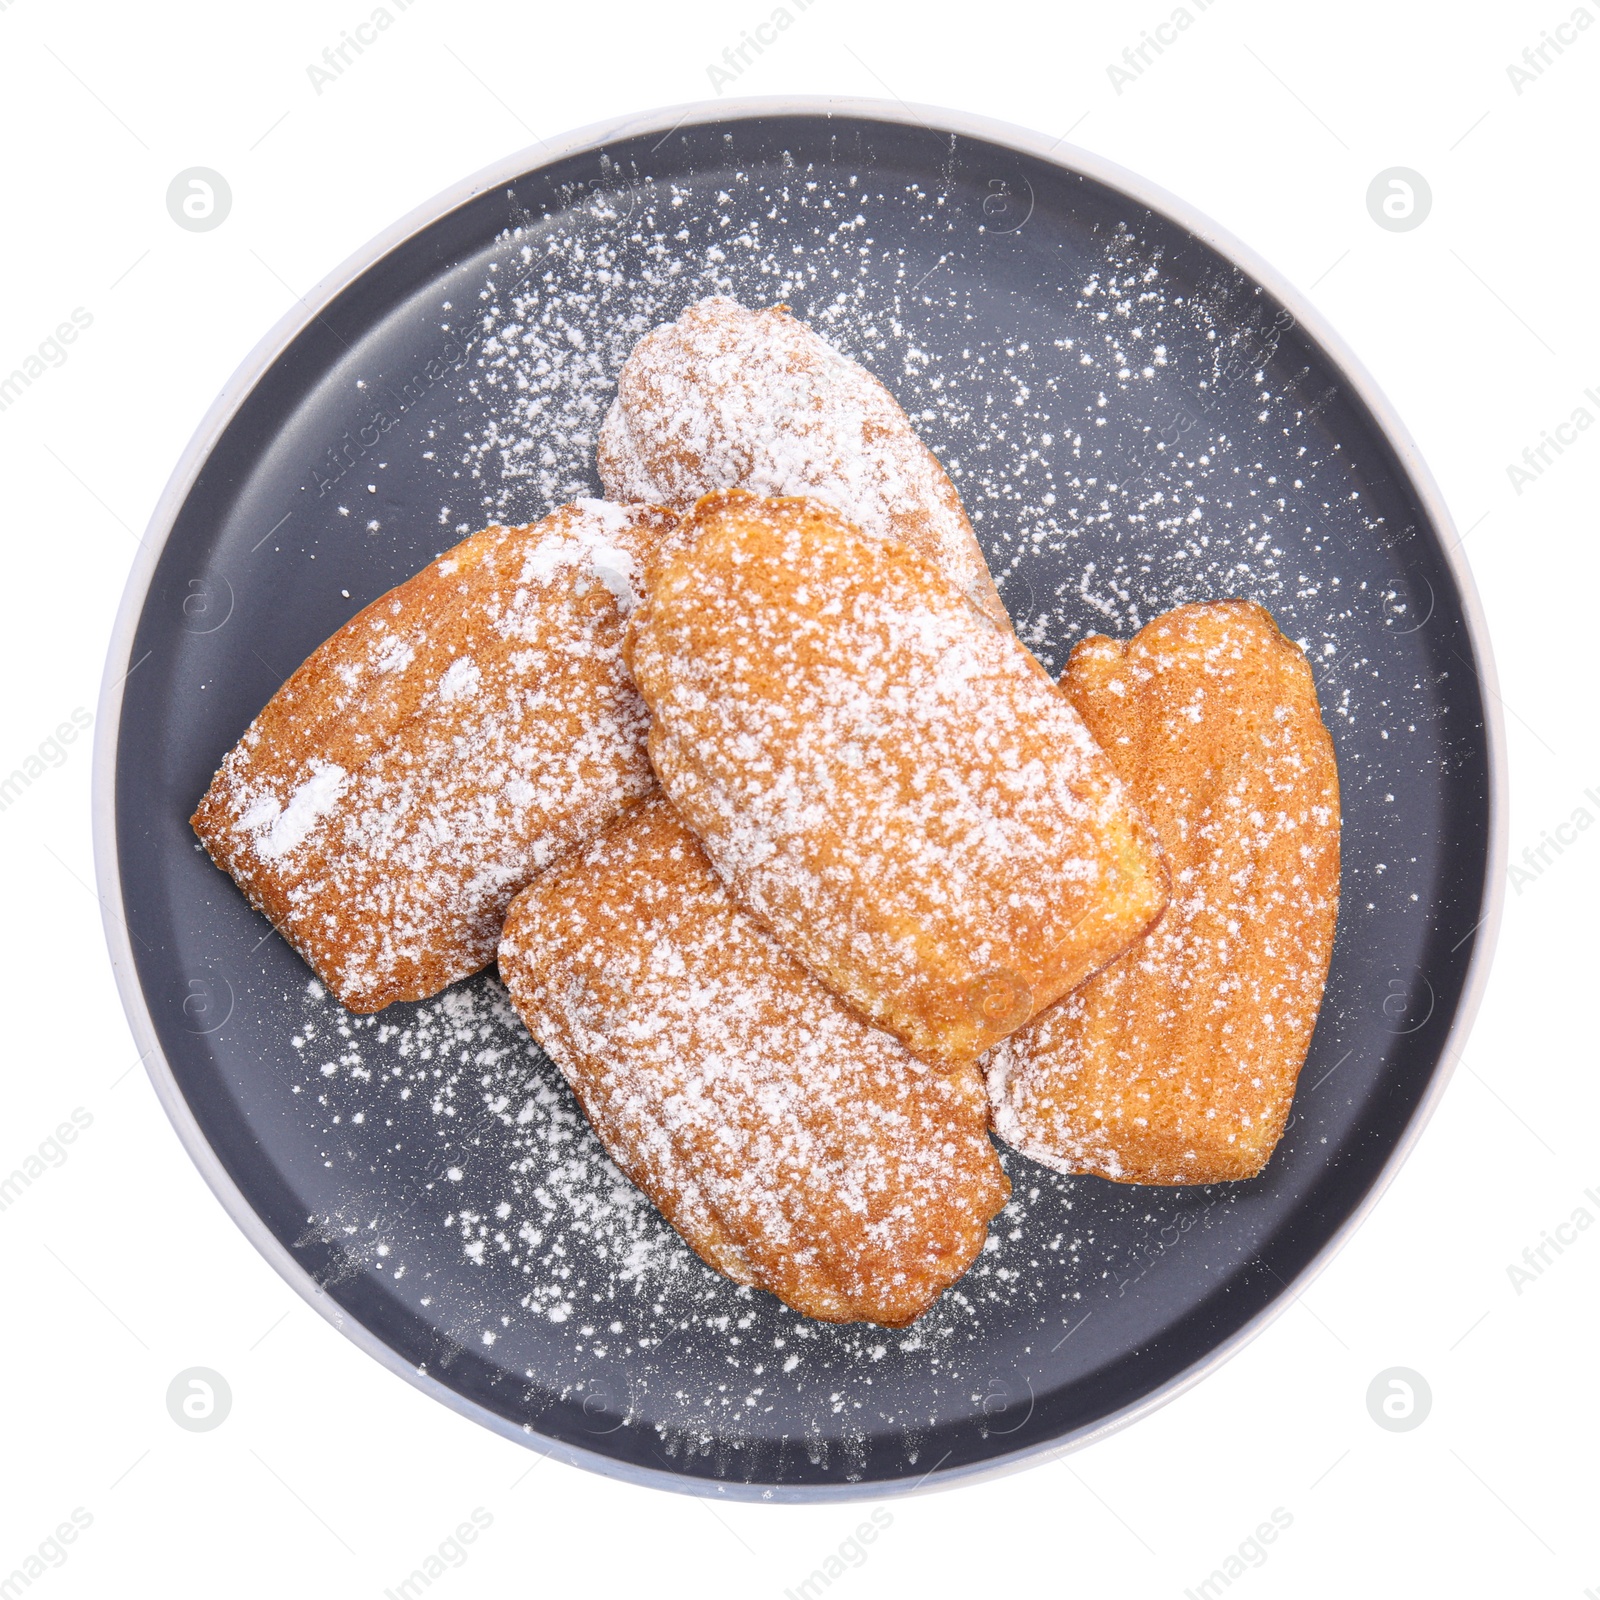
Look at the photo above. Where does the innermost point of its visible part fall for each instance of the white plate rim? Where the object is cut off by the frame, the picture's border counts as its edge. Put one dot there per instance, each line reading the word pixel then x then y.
pixel 589 139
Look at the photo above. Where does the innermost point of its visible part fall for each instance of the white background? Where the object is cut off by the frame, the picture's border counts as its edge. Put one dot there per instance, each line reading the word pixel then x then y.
pixel 332 1477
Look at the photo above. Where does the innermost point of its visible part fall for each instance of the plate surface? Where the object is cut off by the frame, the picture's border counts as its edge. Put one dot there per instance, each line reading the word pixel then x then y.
pixel 1134 419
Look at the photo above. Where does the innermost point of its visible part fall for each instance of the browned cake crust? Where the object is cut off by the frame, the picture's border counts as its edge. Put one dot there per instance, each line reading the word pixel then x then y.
pixel 887 779
pixel 454 738
pixel 726 398
pixel 1177 1063
pixel 793 1146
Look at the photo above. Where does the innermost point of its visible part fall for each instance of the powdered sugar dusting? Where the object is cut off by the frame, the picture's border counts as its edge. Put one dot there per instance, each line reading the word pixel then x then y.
pixel 1123 424
pixel 884 776
pixel 794 1146
pixel 455 738
pixel 1094 422
pixel 276 829
pixel 1177 1062
pixel 483 1146
pixel 727 397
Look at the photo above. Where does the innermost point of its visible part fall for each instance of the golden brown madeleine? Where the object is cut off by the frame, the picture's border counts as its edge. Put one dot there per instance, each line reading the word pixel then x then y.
pixel 726 398
pixel 1177 1063
pixel 451 740
pixel 793 1146
pixel 886 778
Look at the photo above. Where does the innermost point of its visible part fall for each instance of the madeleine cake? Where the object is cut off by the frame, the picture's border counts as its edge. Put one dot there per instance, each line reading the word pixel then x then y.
pixel 889 781
pixel 792 1145
pixel 728 398
pixel 1177 1063
pixel 454 738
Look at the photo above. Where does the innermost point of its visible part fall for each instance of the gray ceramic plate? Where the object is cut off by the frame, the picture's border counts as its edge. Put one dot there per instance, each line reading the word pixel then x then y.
pixel 1137 413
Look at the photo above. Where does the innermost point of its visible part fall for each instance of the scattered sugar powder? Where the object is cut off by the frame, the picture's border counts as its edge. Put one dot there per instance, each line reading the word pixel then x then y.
pixel 454 738
pixel 1130 433
pixel 278 830
pixel 1144 443
pixel 1131 427
pixel 560 1259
